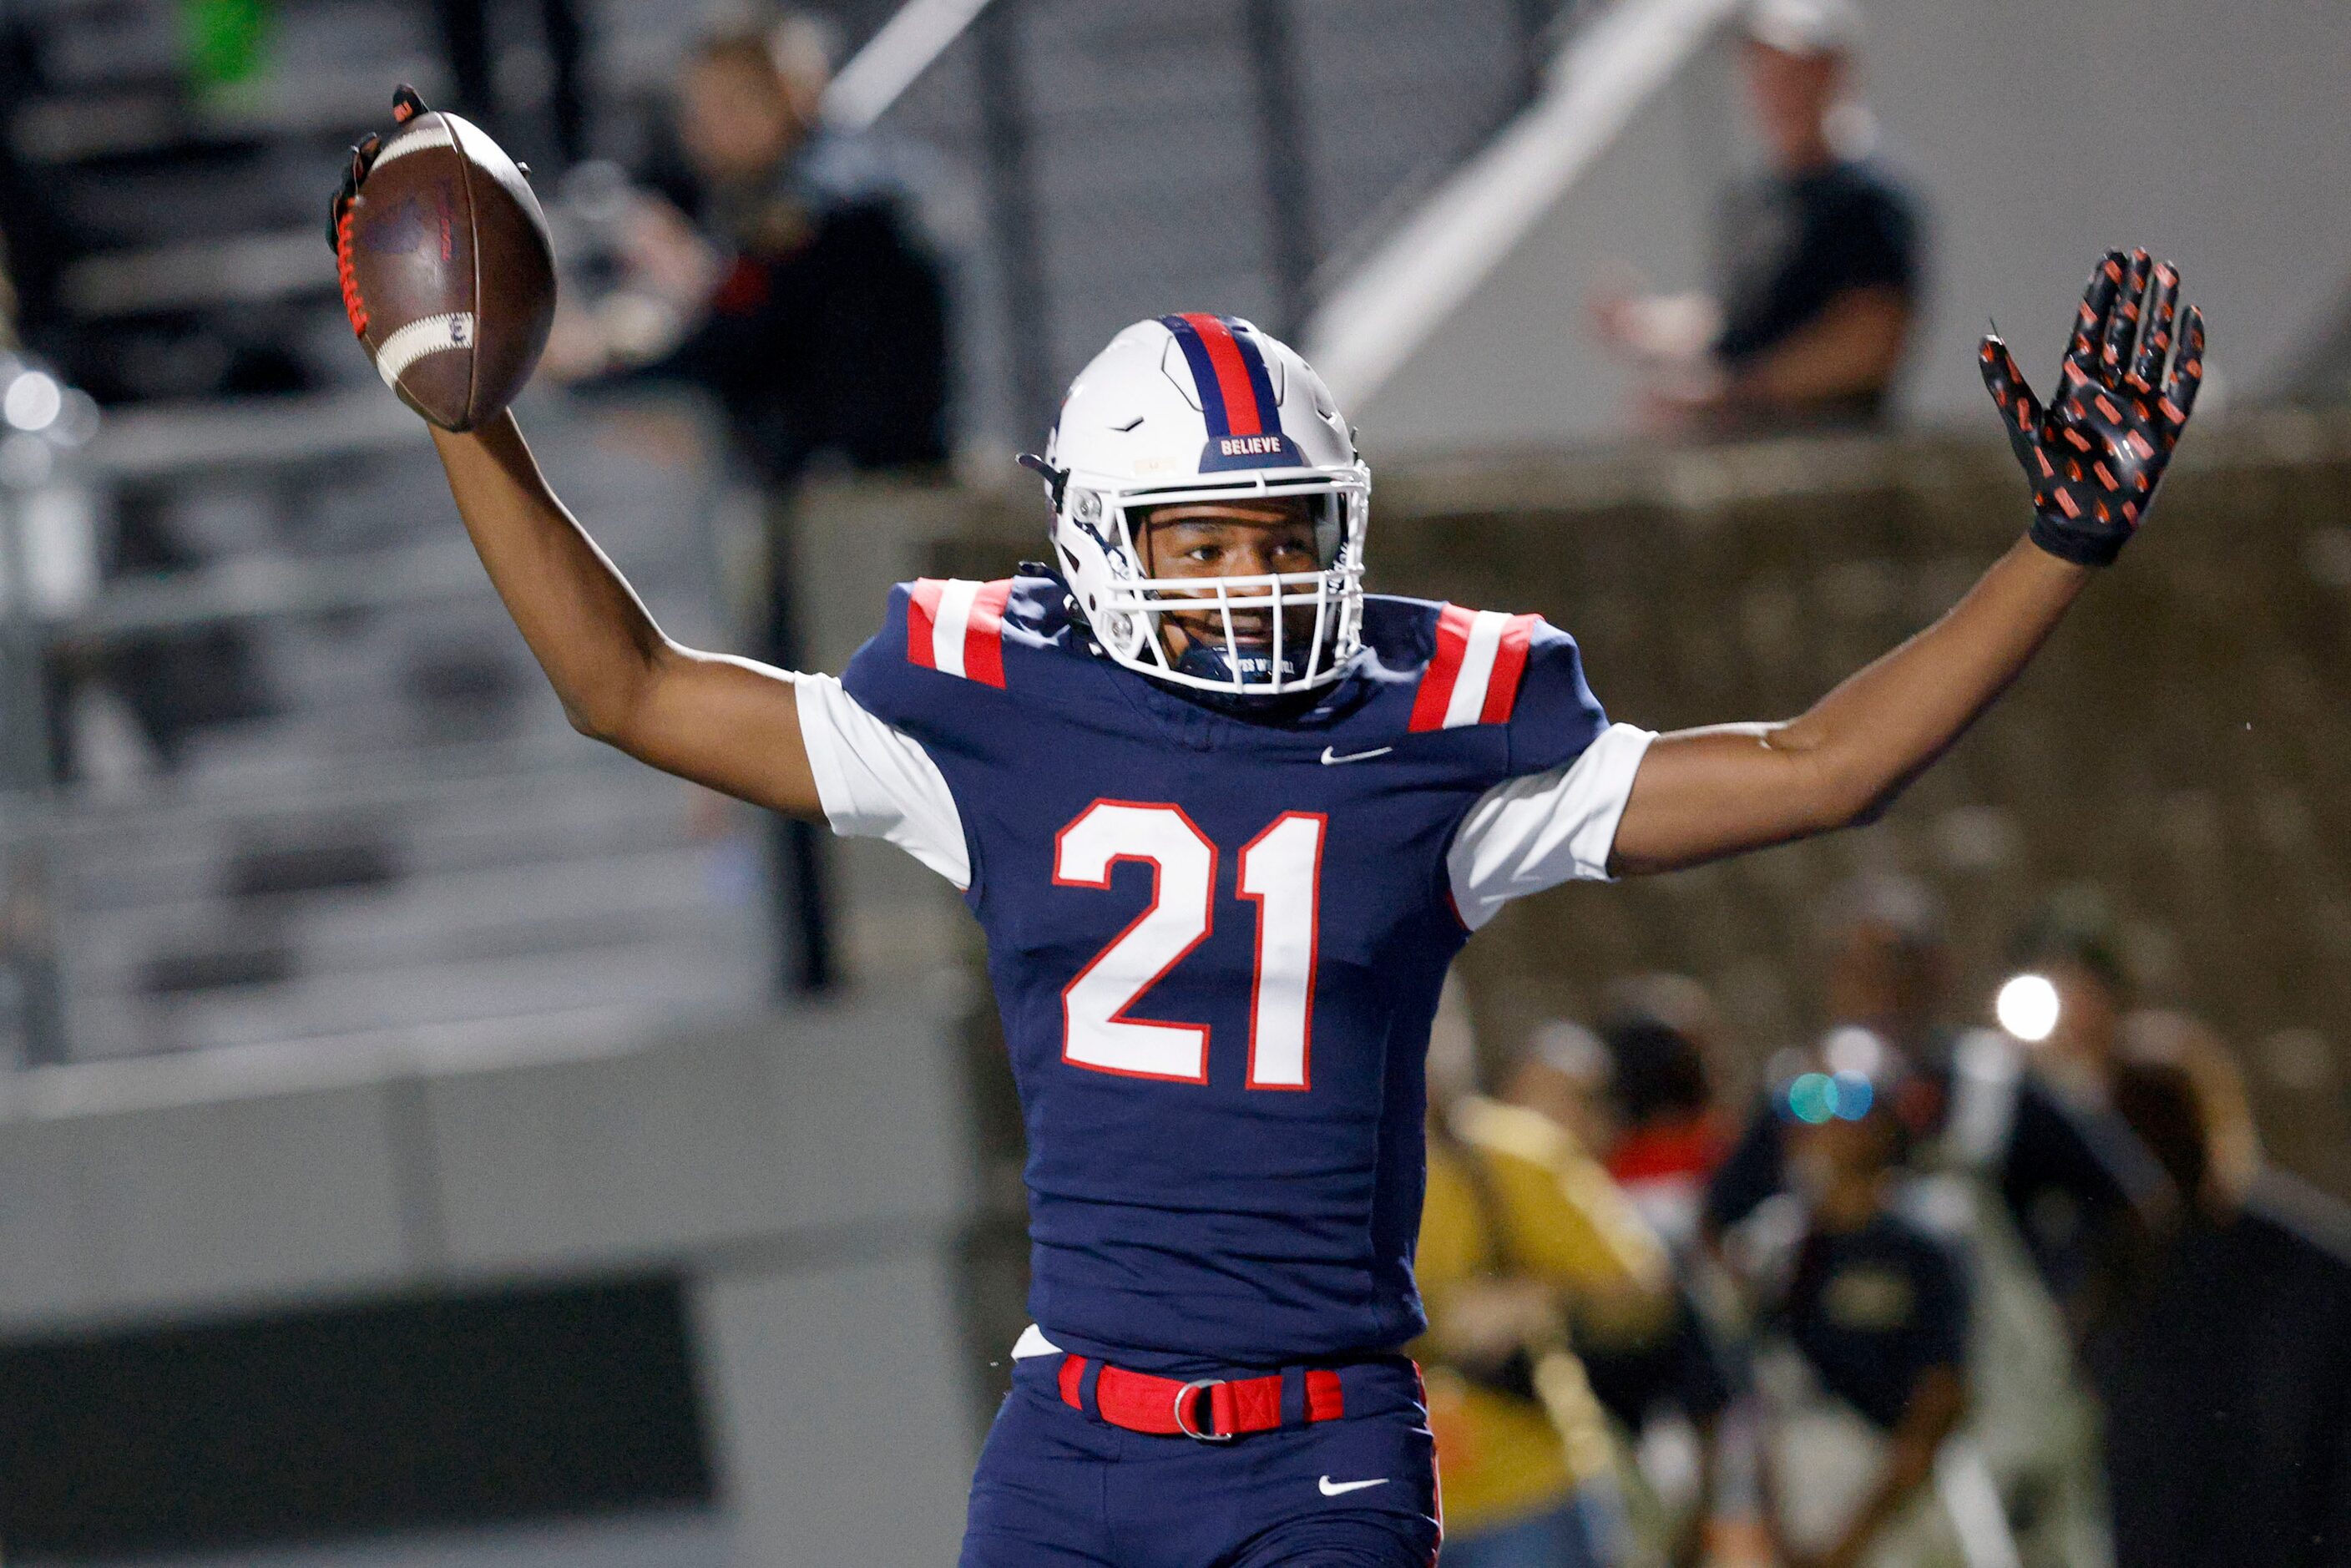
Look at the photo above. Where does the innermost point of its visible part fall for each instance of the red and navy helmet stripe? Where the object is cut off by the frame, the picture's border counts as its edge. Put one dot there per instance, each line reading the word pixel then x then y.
pixel 1236 391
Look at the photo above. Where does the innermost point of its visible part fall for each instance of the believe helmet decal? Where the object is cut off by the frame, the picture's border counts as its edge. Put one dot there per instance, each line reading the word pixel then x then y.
pixel 1236 393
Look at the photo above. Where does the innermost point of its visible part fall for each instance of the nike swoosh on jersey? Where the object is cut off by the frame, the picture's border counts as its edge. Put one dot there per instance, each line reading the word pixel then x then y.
pixel 1333 1489
pixel 1331 757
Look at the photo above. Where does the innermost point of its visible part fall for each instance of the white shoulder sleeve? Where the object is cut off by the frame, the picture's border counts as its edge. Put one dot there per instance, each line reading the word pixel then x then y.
pixel 1527 835
pixel 877 782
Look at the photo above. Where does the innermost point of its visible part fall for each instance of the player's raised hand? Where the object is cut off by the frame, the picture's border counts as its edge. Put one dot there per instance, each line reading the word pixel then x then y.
pixel 2097 454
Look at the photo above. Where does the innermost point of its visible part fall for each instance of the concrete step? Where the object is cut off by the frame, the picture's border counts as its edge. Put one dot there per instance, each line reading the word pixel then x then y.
pixel 438 826
pixel 650 983
pixel 410 919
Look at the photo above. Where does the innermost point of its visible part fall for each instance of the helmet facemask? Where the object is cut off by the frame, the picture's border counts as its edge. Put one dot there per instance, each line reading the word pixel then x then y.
pixel 1255 635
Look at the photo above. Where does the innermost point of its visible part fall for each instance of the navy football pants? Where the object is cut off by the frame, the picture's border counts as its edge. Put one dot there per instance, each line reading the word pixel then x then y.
pixel 1057 1489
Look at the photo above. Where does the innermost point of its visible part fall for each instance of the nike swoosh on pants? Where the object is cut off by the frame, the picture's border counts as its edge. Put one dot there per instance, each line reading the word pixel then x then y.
pixel 1335 1489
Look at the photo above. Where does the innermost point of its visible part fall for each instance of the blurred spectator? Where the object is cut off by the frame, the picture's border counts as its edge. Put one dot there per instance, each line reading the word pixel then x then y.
pixel 473 70
pixel 1864 1329
pixel 1670 1136
pixel 1647 1084
pixel 787 277
pixel 1521 1234
pixel 1563 1074
pixel 1821 270
pixel 2228 1381
pixel 782 269
pixel 2073 942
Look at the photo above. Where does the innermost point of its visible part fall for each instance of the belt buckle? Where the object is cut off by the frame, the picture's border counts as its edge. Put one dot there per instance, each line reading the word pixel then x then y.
pixel 1182 1421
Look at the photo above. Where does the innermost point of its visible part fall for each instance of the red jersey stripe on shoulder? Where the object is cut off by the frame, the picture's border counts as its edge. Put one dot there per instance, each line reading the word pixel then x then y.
pixel 982 634
pixel 1477 673
pixel 956 626
pixel 1509 669
pixel 922 621
pixel 1435 694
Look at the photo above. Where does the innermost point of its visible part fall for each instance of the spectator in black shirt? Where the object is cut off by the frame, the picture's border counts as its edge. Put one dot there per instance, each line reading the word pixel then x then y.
pixel 1874 1309
pixel 2227 1383
pixel 1820 273
pixel 2073 941
pixel 782 269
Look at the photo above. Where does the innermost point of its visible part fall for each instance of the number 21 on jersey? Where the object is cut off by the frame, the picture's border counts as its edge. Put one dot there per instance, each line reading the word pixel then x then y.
pixel 1280 872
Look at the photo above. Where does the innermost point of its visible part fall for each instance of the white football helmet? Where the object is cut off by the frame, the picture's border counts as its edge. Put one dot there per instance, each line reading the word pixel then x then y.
pixel 1208 408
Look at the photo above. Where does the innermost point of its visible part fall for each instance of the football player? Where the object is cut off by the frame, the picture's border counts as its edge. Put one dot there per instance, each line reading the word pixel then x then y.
pixel 1224 819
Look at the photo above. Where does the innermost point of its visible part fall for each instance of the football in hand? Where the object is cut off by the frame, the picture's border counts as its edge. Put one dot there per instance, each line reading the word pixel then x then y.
pixel 446 270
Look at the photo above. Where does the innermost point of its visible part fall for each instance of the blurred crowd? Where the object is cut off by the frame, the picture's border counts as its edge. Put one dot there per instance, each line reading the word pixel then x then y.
pixel 1933 1294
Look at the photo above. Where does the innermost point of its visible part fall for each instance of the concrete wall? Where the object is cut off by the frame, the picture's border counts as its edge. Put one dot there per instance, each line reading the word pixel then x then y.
pixel 806 1174
pixel 2038 134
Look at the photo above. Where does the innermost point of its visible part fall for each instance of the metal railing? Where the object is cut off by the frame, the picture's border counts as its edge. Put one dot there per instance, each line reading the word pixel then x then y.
pixel 52 604
pixel 43 429
pixel 1300 226
pixel 1438 256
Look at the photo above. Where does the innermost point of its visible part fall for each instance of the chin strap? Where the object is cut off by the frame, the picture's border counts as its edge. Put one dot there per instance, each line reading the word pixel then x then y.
pixel 1056 479
pixel 1208 662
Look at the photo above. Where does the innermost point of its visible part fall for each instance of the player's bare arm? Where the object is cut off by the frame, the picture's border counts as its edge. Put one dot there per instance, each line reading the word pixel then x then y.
pixel 729 723
pixel 455 328
pixel 2094 459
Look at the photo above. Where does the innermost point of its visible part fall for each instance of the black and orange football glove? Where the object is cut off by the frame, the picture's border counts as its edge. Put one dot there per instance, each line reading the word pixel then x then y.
pixel 405 107
pixel 2095 456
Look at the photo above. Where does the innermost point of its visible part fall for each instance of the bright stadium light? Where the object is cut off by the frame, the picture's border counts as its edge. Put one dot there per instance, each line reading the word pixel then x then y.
pixel 33 401
pixel 2027 1008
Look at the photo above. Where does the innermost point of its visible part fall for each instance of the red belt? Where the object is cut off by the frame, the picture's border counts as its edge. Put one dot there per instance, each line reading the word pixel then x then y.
pixel 1211 1409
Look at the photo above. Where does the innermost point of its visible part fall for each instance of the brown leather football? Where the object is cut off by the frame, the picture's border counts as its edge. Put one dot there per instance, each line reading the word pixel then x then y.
pixel 446 269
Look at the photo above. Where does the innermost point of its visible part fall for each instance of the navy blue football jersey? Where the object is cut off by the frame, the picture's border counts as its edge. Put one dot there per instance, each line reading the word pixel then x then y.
pixel 1217 941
